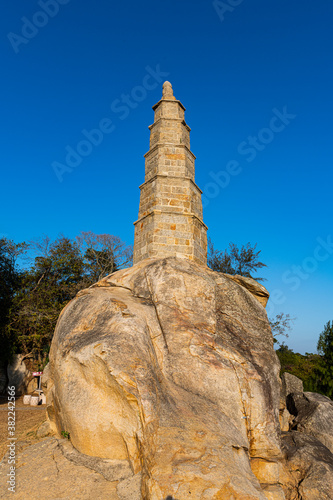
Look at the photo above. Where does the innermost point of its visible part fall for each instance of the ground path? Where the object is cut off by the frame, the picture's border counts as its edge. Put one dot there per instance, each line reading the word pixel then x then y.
pixel 27 421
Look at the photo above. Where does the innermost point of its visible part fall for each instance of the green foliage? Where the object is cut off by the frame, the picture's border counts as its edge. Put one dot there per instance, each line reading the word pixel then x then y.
pixel 54 279
pixel 325 369
pixel 302 366
pixel 316 370
pixel 58 271
pixel 65 434
pixel 325 341
pixel 10 279
pixel 243 261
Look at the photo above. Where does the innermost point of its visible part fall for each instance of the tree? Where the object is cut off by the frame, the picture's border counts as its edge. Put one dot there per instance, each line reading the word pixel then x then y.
pixel 302 366
pixel 280 325
pixel 103 254
pixel 243 261
pixel 10 278
pixel 58 270
pixel 325 341
pixel 325 349
pixel 316 370
pixel 54 279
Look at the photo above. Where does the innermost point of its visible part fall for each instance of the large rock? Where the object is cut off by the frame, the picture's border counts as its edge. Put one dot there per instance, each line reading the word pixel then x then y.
pixel 167 371
pixel 313 415
pixel 311 468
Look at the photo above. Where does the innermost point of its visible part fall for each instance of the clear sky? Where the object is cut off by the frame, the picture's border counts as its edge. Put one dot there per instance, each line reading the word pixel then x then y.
pixel 256 77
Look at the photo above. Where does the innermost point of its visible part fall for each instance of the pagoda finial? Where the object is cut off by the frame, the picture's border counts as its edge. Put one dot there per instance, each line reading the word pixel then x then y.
pixel 167 91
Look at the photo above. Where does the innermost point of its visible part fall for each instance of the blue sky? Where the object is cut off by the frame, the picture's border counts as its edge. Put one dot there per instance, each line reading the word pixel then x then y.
pixel 256 77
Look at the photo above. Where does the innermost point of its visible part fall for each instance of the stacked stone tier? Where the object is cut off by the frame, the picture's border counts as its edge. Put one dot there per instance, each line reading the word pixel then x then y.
pixel 169 108
pixel 163 233
pixel 170 131
pixel 174 160
pixel 170 193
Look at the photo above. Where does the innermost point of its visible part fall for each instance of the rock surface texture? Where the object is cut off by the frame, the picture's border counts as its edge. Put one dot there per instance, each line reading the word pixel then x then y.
pixel 310 466
pixel 290 384
pixel 313 415
pixel 167 372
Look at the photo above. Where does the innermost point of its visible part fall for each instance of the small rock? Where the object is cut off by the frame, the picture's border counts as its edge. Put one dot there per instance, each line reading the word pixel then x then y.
pixel 44 429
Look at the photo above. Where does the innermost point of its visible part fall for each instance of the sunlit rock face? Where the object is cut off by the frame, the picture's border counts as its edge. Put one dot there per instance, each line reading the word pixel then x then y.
pixel 167 371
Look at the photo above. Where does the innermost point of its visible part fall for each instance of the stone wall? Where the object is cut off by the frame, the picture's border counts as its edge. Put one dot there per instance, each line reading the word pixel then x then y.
pixel 170 234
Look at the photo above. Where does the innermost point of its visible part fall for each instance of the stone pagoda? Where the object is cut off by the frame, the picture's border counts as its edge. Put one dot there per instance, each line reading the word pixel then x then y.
pixel 170 214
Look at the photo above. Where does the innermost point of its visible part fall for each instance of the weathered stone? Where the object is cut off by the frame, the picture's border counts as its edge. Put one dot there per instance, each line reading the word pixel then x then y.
pixel 310 465
pixel 313 415
pixel 285 419
pixel 130 489
pixel 170 368
pixel 170 214
pixel 45 429
pixel 273 492
pixel 290 383
pixel 112 470
pixel 255 288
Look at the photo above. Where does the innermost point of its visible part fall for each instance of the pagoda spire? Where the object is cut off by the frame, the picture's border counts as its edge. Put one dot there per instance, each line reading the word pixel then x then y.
pixel 167 91
pixel 170 214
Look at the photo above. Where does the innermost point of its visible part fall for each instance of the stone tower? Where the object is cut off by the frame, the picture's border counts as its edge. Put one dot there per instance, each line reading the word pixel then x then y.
pixel 170 214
